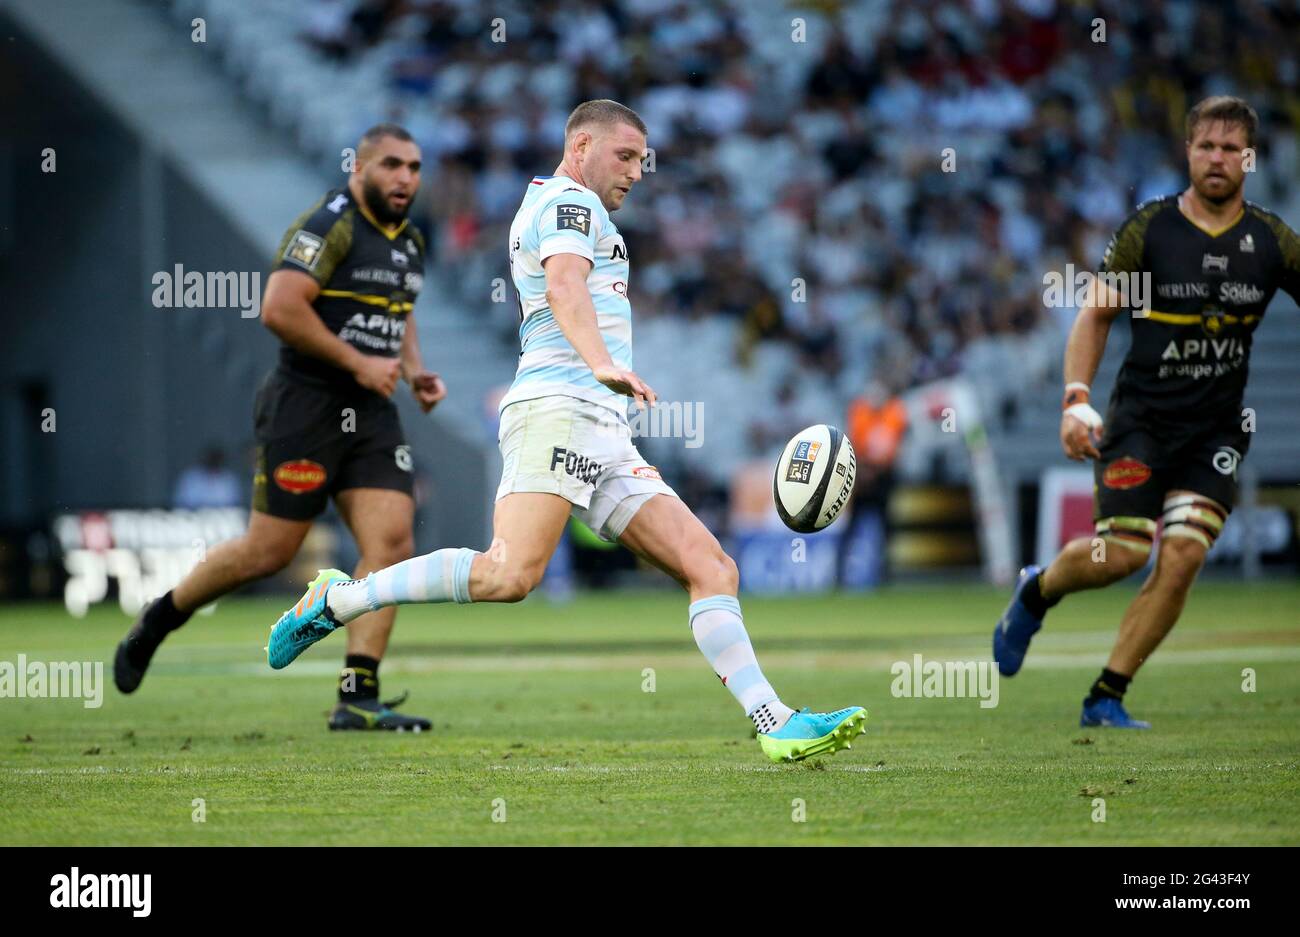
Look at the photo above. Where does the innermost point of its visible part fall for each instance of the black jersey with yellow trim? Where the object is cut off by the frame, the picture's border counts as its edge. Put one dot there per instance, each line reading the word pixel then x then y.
pixel 1207 293
pixel 369 279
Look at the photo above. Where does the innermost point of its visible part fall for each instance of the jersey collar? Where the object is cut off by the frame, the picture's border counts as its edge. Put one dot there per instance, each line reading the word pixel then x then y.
pixel 391 235
pixel 1212 232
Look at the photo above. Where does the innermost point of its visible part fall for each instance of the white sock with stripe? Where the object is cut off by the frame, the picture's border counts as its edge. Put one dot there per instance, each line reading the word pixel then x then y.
pixel 720 634
pixel 440 576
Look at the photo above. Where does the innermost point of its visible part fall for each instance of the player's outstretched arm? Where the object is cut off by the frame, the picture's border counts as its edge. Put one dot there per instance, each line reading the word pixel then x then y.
pixel 1081 425
pixel 287 311
pixel 575 314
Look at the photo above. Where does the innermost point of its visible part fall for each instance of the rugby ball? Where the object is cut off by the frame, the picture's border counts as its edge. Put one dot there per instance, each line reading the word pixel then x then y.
pixel 814 478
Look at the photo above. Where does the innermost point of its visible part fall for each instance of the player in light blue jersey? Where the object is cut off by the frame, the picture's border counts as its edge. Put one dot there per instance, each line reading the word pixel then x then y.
pixel 563 225
pixel 567 446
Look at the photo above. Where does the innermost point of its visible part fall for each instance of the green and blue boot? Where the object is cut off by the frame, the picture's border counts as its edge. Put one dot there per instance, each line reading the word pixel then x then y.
pixel 808 733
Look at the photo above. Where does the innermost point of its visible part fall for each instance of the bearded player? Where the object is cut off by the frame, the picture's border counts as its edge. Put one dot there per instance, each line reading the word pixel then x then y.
pixel 346 277
pixel 567 449
pixel 1174 436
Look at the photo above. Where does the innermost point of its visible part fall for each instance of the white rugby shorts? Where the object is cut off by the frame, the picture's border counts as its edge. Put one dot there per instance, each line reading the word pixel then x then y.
pixel 582 452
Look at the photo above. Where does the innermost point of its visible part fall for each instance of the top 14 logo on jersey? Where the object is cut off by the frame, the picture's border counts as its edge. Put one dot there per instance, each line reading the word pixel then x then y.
pixel 573 218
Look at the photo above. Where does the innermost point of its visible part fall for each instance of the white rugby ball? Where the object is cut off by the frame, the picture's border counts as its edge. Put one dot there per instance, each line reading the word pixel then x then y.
pixel 814 478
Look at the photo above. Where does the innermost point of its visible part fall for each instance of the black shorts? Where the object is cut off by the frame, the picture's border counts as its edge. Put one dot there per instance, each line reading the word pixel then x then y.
pixel 1140 464
pixel 314 441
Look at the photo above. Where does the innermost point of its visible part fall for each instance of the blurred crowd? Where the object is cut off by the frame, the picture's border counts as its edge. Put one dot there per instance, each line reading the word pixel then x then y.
pixel 870 181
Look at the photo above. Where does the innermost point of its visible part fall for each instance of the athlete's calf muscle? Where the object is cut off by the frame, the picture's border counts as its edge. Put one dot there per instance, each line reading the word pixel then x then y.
pixel 1087 564
pixel 665 533
pixel 526 528
pixel 266 547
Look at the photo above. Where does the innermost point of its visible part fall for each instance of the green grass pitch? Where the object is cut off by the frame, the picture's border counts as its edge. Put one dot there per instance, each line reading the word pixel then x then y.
pixel 543 721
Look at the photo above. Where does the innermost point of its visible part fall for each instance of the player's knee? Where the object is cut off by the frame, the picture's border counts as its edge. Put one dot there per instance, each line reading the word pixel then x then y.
pixel 1125 545
pixel 1123 561
pixel 391 549
pixel 1181 558
pixel 712 570
pixel 266 558
pixel 513 585
pixel 516 588
pixel 730 576
pixel 1192 524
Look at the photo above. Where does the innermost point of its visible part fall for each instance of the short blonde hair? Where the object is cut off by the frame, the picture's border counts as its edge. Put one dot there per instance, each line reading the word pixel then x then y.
pixel 1224 107
pixel 601 112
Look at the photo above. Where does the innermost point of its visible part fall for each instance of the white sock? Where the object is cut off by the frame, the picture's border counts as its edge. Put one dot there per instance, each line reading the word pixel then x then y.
pixel 440 576
pixel 720 634
pixel 771 716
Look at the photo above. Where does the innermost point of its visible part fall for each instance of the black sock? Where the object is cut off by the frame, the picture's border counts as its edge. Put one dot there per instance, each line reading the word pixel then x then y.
pixel 160 618
pixel 163 617
pixel 1110 684
pixel 1033 599
pixel 359 679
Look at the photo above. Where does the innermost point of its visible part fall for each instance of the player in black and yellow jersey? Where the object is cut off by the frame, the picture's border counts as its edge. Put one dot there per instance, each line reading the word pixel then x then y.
pixel 1175 432
pixel 340 298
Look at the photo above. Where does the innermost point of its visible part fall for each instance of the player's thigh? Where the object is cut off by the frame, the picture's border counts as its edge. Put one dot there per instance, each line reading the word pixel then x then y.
pixel 381 520
pixel 1202 491
pixel 376 456
pixel 1129 495
pixel 1203 487
pixel 551 451
pixel 298 453
pixel 1192 523
pixel 374 485
pixel 667 534
pixel 526 528
pixel 272 542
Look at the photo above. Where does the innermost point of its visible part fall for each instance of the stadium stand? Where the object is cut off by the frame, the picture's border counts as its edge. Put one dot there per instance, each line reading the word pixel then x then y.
pixel 819 167
pixel 799 230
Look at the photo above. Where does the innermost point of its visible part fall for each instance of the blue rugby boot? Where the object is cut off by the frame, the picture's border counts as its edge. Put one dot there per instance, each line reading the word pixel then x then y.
pixel 304 624
pixel 1016 627
pixel 1109 711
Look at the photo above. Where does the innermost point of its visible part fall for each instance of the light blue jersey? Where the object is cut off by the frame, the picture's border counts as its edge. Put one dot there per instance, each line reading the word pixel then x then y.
pixel 559 216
